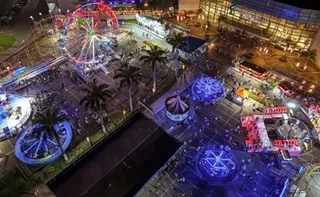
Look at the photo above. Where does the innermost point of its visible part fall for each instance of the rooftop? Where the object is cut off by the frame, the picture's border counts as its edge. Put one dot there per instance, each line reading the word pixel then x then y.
pixel 125 161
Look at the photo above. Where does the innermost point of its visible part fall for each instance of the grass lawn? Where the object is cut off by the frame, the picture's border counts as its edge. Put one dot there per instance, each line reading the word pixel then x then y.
pixel 6 41
pixel 132 21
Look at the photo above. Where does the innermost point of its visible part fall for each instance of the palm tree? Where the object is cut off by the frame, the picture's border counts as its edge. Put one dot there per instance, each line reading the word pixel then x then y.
pixel 153 57
pixel 95 96
pixel 128 76
pixel 123 60
pixel 47 120
pixel 310 54
pixel 177 40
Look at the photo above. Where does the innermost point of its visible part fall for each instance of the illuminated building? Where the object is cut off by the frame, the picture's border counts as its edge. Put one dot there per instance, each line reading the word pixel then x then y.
pixel 189 5
pixel 269 19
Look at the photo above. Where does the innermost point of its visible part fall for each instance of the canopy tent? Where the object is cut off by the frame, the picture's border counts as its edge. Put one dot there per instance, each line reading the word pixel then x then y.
pixel 242 93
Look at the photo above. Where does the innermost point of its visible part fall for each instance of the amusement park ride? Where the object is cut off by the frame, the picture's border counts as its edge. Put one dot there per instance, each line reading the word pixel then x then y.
pixel 89 36
pixel 275 131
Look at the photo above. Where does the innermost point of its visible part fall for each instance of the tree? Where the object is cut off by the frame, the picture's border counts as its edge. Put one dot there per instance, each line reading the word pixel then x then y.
pixel 177 40
pixel 123 60
pixel 95 96
pixel 128 76
pixel 46 121
pixel 310 54
pixel 153 57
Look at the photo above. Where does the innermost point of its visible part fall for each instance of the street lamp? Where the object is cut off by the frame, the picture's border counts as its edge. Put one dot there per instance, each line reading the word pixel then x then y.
pixel 50 15
pixel 40 14
pixel 32 19
pixel 298 64
pixel 68 11
pixel 59 11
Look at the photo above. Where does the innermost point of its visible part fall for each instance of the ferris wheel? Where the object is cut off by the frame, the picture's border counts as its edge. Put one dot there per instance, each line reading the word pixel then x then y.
pixel 89 34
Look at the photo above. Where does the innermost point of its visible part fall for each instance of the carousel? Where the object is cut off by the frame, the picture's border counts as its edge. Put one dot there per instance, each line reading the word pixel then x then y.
pixel 208 89
pixel 177 108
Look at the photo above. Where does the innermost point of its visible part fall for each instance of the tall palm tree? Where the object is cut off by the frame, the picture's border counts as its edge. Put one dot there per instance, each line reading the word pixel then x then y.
pixel 128 75
pixel 47 120
pixel 310 54
pixel 123 60
pixel 95 96
pixel 177 40
pixel 153 57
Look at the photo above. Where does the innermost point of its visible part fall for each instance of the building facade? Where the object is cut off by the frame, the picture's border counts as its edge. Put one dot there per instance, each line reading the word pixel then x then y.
pixel 189 5
pixel 268 19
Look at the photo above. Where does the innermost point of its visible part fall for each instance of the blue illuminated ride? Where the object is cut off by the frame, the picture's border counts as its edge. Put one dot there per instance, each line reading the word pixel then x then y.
pixel 217 165
pixel 39 148
pixel 208 89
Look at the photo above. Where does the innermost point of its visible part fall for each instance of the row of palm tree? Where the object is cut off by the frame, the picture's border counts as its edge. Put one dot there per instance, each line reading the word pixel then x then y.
pixel 96 94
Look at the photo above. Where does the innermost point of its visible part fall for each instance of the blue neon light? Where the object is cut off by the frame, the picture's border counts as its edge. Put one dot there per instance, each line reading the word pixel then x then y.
pixel 19 71
pixel 23 153
pixel 290 14
pixel 301 169
pixel 286 183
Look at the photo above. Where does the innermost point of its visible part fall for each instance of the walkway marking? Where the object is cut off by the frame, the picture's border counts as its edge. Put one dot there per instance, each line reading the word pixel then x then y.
pixel 236 111
pixel 182 133
pixel 268 168
pixel 239 194
pixel 305 160
pixel 148 191
pixel 174 182
pixel 251 190
pixel 263 175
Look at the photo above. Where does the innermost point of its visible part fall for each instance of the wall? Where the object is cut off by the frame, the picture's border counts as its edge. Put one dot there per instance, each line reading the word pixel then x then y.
pixel 316 45
pixel 189 5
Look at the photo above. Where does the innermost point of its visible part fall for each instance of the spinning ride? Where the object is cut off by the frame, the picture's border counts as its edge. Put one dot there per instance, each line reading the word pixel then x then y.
pixel 177 108
pixel 88 35
pixel 39 148
pixel 208 89
pixel 217 165
pixel 292 128
pixel 15 110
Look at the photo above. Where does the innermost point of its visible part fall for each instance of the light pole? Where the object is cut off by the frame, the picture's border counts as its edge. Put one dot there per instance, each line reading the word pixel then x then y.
pixel 59 11
pixel 33 20
pixel 40 14
pixel 50 15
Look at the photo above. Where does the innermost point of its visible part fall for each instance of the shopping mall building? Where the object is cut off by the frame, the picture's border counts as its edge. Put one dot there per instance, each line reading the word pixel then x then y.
pixel 269 19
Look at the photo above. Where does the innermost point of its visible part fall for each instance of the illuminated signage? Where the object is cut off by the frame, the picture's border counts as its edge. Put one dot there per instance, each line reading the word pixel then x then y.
pixel 292 14
pixel 18 71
